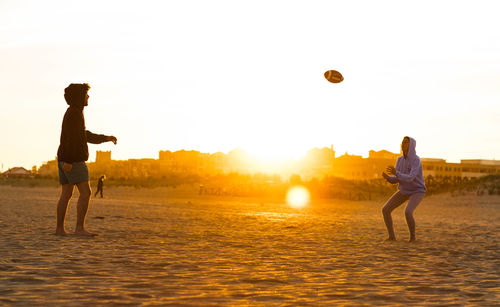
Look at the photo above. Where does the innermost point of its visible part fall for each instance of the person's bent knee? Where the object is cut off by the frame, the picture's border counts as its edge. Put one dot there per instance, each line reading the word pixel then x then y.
pixel 386 210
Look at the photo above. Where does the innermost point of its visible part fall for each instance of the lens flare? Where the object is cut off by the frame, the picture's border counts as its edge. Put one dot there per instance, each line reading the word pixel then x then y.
pixel 297 197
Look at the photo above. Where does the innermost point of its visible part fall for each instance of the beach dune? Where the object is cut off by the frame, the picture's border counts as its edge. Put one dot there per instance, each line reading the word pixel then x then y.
pixel 157 248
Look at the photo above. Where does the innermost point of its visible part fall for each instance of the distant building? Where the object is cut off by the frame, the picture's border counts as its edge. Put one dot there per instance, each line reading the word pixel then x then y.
pixel 479 167
pixel 102 156
pixel 382 154
pixel 186 161
pixel 481 162
pixel 48 169
pixel 352 167
pixel 318 162
pixel 17 172
pixel 432 160
pixel 218 162
pixel 439 168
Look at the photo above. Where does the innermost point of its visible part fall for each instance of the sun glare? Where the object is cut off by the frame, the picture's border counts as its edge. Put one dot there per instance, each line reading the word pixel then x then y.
pixel 297 197
pixel 269 151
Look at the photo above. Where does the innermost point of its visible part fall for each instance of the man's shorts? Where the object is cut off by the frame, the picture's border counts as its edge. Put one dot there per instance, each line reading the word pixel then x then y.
pixel 79 173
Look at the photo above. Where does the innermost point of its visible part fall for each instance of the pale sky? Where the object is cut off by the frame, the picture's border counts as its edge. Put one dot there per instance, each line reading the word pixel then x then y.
pixel 215 75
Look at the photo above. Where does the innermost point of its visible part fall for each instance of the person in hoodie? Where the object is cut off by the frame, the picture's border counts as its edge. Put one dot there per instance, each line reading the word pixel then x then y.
pixel 408 174
pixel 71 156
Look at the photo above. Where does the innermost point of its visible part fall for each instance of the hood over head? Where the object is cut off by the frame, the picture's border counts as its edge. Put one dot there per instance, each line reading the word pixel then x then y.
pixel 412 153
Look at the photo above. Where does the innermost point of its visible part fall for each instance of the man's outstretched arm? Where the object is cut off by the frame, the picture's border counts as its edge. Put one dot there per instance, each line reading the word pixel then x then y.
pixel 99 138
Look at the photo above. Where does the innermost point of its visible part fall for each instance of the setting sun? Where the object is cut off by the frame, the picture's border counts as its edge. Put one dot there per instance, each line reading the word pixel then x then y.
pixel 297 197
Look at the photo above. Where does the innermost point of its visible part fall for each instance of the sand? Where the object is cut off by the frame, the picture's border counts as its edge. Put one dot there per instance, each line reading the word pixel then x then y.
pixel 156 249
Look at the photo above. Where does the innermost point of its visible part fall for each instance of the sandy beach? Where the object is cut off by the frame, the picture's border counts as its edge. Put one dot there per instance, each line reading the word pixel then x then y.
pixel 158 248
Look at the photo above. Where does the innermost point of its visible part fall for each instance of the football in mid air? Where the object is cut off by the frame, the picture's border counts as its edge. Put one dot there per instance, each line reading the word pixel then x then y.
pixel 333 76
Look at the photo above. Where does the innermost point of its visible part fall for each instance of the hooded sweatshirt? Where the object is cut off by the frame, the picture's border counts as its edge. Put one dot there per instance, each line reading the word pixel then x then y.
pixel 74 137
pixel 409 172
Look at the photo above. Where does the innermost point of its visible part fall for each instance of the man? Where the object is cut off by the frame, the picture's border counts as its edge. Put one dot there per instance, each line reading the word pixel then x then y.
pixel 71 156
pixel 100 184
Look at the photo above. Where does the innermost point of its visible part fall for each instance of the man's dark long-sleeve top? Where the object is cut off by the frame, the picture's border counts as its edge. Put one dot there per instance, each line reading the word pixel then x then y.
pixel 74 137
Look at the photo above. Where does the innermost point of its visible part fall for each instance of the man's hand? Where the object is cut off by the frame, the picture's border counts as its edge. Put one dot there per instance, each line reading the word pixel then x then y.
pixel 112 139
pixel 67 167
pixel 385 175
pixel 391 170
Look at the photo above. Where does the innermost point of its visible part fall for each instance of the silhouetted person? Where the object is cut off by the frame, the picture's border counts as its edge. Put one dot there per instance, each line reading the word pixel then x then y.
pixel 409 174
pixel 71 156
pixel 100 184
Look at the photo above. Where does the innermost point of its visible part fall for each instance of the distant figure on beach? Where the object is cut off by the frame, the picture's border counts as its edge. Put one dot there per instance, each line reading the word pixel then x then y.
pixel 100 184
pixel 71 156
pixel 409 174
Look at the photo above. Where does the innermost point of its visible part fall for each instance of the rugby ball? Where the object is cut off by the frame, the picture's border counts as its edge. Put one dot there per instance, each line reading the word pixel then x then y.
pixel 333 76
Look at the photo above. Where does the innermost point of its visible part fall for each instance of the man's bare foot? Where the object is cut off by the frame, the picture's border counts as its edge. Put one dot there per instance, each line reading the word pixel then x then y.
pixel 391 239
pixel 60 232
pixel 85 233
pixel 412 239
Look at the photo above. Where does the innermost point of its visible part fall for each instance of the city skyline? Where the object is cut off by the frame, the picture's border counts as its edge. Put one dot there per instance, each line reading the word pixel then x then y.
pixel 317 163
pixel 255 158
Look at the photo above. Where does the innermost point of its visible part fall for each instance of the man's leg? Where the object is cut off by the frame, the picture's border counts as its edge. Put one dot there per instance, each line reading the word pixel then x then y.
pixel 395 201
pixel 62 206
pixel 82 208
pixel 415 199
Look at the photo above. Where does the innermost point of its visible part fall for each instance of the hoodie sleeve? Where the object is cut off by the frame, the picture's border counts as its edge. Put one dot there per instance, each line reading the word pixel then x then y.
pixel 415 169
pixel 95 138
pixel 392 179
